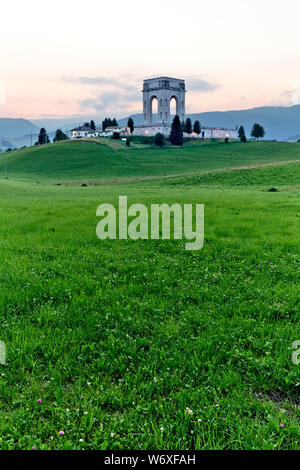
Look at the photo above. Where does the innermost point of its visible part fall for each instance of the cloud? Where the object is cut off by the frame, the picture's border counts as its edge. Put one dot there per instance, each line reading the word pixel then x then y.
pixel 115 94
pixel 109 82
pixel 200 85
pixel 110 100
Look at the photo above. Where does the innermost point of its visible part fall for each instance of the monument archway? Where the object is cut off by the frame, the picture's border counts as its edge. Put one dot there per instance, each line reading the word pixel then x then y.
pixel 164 89
pixel 153 106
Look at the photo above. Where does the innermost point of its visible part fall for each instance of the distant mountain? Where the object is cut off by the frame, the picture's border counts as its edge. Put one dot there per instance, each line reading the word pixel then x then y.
pixel 16 128
pixel 16 133
pixel 279 122
pixel 52 124
pixel 65 124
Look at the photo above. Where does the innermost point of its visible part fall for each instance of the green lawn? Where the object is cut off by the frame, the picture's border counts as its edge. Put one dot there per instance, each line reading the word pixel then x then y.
pixel 119 338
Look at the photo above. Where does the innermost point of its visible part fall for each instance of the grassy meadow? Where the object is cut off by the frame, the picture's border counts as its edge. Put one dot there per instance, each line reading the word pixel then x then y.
pixel 127 344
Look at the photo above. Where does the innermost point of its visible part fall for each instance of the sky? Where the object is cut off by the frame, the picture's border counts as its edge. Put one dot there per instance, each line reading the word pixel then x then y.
pixel 71 58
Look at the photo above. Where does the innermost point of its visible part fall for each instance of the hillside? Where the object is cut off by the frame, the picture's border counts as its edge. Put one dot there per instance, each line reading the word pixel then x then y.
pixel 281 123
pixel 104 159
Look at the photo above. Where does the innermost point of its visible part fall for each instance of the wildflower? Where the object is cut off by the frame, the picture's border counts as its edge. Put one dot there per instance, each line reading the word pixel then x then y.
pixel 80 440
pixel 199 420
pixel 61 433
pixel 112 434
pixel 33 448
pixel 282 425
pixel 67 410
pixel 162 429
pixel 39 401
pixel 81 398
pixel 217 405
pixel 189 411
pixel 41 420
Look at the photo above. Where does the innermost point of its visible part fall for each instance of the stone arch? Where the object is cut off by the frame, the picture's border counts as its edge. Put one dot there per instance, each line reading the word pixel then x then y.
pixel 164 90
pixel 174 97
pixel 153 97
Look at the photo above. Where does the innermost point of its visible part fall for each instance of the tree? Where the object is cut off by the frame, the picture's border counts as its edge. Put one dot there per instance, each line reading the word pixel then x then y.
pixel 257 131
pixel 183 125
pixel 176 136
pixel 43 137
pixel 188 126
pixel 197 128
pixel 130 124
pixel 92 125
pixel 59 136
pixel 108 122
pixel 242 135
pixel 86 124
pixel 159 140
pixel 116 136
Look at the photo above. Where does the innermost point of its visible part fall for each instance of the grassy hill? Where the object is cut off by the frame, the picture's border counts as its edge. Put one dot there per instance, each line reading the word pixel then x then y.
pixel 114 341
pixel 107 160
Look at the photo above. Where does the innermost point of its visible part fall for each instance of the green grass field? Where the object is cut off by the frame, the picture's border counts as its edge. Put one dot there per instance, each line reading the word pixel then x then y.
pixel 121 339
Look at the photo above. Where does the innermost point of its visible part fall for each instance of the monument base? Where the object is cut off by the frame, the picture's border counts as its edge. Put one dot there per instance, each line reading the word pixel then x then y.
pixel 152 130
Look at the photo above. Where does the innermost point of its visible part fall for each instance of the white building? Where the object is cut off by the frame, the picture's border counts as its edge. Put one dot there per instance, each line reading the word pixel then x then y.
pixel 206 132
pixel 125 131
pixel 83 132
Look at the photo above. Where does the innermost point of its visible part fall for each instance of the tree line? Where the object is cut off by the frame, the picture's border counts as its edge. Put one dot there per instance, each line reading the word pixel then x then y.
pixel 176 136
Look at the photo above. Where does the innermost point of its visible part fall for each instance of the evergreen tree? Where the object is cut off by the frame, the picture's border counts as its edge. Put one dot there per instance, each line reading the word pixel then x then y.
pixel 43 137
pixel 183 125
pixel 188 126
pixel 197 128
pixel 108 122
pixel 176 136
pixel 86 124
pixel 92 125
pixel 257 131
pixel 60 135
pixel 242 134
pixel 130 124
pixel 262 132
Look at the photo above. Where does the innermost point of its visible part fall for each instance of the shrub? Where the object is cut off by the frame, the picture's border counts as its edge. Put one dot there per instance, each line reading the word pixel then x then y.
pixel 116 135
pixel 159 140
